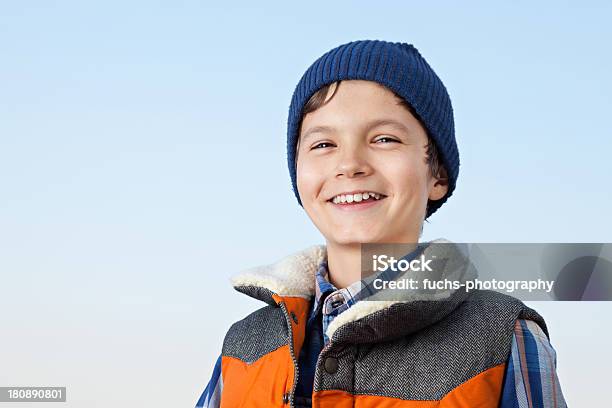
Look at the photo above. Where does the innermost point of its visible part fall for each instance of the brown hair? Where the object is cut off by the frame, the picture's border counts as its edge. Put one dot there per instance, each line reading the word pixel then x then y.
pixel 433 158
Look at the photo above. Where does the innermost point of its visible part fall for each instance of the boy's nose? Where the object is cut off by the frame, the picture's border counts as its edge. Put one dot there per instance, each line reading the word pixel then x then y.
pixel 352 163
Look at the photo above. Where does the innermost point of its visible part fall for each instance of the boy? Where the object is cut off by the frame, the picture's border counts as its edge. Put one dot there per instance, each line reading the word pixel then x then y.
pixel 372 154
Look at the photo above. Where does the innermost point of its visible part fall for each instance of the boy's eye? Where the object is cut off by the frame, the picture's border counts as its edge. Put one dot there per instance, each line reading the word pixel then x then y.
pixel 386 139
pixel 320 145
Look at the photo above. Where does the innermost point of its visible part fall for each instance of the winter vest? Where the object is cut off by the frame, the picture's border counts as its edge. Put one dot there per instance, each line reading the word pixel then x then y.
pixel 399 353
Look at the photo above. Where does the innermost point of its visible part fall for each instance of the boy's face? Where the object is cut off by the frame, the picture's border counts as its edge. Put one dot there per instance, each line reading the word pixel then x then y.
pixel 363 140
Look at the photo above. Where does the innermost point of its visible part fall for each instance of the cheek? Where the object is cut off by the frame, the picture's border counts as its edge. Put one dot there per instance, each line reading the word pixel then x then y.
pixel 309 180
pixel 409 178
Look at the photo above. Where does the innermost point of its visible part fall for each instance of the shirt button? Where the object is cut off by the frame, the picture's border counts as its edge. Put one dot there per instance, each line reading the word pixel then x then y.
pixel 331 365
pixel 337 303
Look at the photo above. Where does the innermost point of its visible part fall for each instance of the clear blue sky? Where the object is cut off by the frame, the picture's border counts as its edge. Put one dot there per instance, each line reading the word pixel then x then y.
pixel 142 163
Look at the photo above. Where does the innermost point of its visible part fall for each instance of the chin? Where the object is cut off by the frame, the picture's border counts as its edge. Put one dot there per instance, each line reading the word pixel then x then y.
pixel 355 238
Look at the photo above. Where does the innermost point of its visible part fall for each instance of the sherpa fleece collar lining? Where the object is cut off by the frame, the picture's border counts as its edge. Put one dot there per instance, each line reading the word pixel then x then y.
pixel 294 275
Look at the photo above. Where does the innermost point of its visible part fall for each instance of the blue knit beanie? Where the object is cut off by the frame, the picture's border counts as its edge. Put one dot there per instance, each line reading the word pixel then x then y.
pixel 401 68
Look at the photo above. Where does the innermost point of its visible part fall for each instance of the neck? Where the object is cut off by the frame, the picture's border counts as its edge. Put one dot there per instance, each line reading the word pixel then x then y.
pixel 343 263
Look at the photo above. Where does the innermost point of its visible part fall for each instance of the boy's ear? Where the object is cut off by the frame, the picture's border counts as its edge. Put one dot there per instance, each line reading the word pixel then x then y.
pixel 438 188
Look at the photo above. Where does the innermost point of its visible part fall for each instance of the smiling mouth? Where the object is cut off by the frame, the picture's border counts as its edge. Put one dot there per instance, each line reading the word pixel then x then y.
pixel 356 198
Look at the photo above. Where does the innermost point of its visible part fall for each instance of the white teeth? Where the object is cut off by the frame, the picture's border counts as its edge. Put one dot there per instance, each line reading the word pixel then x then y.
pixel 349 198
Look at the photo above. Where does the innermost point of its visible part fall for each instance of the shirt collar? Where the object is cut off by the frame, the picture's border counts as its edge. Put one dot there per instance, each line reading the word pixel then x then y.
pixel 322 287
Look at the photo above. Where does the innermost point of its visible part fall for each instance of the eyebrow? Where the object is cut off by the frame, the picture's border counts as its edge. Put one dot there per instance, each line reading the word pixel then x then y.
pixel 371 125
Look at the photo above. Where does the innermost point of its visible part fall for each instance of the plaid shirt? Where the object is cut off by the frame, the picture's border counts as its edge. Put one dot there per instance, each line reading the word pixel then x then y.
pixel 530 380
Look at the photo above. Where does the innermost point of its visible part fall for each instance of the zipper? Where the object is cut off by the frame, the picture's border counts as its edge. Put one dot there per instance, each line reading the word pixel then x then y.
pixel 292 352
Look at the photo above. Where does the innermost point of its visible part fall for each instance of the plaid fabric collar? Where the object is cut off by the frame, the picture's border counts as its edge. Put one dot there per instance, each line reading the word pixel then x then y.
pixel 326 291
